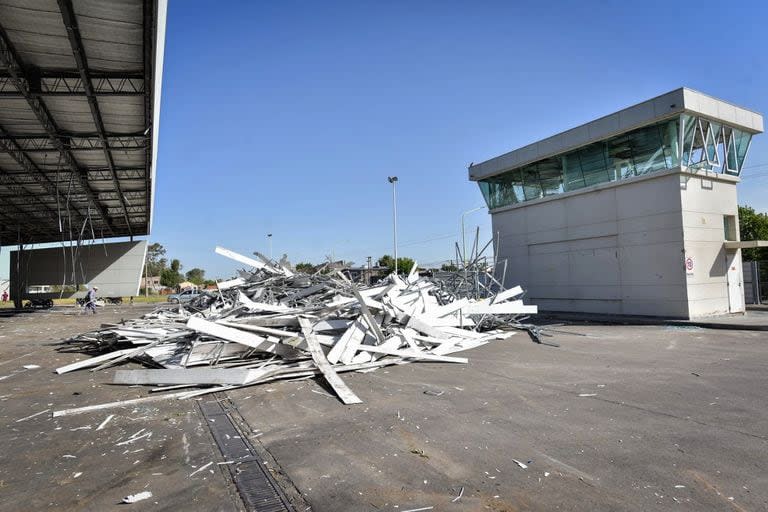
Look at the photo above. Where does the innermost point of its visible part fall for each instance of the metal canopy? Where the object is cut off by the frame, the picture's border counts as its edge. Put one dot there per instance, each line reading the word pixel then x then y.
pixel 78 117
pixel 747 244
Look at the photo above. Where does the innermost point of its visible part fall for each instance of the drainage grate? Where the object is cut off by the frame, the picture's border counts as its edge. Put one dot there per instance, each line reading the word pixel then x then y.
pixel 258 489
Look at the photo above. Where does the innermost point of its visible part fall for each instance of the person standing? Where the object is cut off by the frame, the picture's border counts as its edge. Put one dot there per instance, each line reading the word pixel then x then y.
pixel 90 300
pixel 5 296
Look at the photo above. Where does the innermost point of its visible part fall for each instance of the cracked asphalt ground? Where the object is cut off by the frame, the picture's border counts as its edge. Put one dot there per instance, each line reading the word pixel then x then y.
pixel 620 418
pixel 66 463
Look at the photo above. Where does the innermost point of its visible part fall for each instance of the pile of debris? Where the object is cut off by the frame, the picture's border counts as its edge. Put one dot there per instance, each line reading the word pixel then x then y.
pixel 271 323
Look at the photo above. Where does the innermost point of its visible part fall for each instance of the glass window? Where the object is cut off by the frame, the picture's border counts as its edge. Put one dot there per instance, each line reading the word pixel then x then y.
pixel 742 140
pixel 690 124
pixel 729 227
pixel 594 164
pixel 714 141
pixel 531 184
pixel 551 176
pixel 685 140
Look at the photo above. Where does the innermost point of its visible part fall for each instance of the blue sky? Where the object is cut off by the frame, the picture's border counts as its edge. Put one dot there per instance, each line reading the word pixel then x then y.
pixel 287 117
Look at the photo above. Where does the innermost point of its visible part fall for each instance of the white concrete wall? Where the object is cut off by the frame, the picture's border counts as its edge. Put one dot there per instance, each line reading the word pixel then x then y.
pixel 621 248
pixel 705 200
pixel 115 268
pixel 616 249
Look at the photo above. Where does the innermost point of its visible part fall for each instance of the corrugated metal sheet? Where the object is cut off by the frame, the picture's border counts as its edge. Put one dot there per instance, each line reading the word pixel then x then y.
pixel 52 138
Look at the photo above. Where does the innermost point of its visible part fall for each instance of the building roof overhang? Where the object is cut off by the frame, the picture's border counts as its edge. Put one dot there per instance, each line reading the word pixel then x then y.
pixel 657 109
pixel 80 87
pixel 748 244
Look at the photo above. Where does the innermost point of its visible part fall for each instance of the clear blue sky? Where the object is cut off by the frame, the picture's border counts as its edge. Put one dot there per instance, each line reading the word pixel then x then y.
pixel 287 117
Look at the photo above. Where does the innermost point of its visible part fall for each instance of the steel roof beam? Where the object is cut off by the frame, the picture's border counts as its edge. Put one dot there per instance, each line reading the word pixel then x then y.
pixel 148 14
pixel 34 197
pixel 11 62
pixel 127 173
pixel 76 43
pixel 69 83
pixel 8 145
pixel 77 143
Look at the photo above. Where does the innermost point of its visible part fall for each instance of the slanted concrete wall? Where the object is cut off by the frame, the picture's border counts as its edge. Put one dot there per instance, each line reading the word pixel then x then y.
pixel 706 198
pixel 616 248
pixel 115 268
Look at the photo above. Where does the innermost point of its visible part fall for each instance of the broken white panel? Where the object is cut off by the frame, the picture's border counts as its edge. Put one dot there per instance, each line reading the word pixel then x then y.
pixel 505 308
pixel 452 320
pixel 238 336
pixel 206 352
pixel 424 326
pixel 257 328
pixel 338 385
pixel 195 376
pixel 337 350
pixel 507 294
pixel 276 266
pixel 447 309
pixel 226 285
pixel 93 361
pixel 245 260
pixel 261 306
pixel 375 291
pixel 331 325
pixel 412 354
pixel 413 275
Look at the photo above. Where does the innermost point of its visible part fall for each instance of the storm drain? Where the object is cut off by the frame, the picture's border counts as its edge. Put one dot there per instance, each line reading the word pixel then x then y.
pixel 257 487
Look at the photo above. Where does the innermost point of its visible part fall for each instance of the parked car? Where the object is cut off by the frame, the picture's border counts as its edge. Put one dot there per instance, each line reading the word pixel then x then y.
pixel 39 303
pixel 183 297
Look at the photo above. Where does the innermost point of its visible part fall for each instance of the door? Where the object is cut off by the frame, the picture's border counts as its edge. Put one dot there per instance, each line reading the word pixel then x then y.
pixel 735 289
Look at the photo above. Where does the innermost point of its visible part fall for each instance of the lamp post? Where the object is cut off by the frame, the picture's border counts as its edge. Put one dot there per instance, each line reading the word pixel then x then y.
pixel 393 181
pixel 269 238
pixel 463 237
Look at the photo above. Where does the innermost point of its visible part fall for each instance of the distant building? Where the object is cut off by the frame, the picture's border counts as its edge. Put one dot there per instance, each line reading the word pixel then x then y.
pixel 633 213
pixel 154 282
pixel 364 274
pixel 187 285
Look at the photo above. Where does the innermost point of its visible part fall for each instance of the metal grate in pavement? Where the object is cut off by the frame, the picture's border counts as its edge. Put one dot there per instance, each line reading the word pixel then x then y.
pixel 258 489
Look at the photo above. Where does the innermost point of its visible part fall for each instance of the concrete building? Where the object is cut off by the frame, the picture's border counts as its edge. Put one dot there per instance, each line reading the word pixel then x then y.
pixel 634 213
pixel 153 282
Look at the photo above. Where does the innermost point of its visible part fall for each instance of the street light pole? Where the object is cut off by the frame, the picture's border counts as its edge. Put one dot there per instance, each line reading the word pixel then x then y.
pixel 269 238
pixel 393 181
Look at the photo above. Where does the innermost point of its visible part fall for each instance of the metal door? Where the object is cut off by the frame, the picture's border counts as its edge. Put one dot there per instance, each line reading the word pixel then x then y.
pixel 735 289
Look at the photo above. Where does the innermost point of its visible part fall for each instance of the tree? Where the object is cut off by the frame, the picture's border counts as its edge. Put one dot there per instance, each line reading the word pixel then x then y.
pixel 449 267
pixel 404 265
pixel 305 268
pixel 196 275
pixel 169 277
pixel 155 260
pixel 176 265
pixel 753 226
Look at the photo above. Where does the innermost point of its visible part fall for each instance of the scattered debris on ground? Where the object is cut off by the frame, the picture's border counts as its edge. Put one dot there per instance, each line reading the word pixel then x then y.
pixel 271 323
pixel 133 498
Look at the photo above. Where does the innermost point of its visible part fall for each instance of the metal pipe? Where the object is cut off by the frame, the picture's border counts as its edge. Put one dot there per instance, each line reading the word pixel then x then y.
pixel 393 181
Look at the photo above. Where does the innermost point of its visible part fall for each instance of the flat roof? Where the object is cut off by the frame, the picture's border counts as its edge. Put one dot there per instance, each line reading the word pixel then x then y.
pixel 80 85
pixel 662 107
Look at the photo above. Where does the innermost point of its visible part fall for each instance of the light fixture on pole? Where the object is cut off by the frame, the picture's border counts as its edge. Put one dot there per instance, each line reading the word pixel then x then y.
pixel 269 238
pixel 393 181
